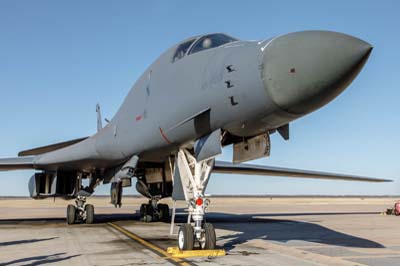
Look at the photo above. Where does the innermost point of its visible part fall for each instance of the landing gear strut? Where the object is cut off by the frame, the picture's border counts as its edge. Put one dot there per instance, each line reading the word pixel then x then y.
pixel 154 211
pixel 81 213
pixel 194 177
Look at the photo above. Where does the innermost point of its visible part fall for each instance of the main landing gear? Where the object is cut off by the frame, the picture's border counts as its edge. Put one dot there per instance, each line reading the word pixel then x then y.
pixel 81 213
pixel 154 211
pixel 194 177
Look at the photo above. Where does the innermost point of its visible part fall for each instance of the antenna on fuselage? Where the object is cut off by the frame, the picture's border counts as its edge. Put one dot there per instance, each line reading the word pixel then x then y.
pixel 99 122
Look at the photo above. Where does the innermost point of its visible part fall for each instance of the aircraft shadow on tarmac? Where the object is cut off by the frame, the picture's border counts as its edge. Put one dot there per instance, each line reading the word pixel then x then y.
pixel 39 260
pixel 257 226
pixel 261 226
pixel 25 241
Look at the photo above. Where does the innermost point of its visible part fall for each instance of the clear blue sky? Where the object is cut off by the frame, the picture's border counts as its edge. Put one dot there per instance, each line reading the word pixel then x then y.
pixel 59 58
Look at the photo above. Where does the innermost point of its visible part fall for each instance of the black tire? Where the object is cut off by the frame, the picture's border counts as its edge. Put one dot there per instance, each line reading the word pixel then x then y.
pixel 210 237
pixel 146 213
pixel 71 214
pixel 186 237
pixel 89 213
pixel 142 210
pixel 147 218
pixel 164 212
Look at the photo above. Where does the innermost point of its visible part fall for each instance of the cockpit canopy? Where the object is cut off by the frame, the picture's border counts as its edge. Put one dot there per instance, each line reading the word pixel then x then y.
pixel 201 43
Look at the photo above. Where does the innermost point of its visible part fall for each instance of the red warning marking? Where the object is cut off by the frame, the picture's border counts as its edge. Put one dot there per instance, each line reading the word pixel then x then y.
pixel 138 117
pixel 164 136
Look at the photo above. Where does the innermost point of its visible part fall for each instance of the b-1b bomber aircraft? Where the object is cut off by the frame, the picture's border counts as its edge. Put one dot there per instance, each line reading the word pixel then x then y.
pixel 202 94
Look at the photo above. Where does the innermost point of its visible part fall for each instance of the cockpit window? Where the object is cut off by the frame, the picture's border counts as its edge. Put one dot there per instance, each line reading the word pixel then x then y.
pixel 211 41
pixel 181 50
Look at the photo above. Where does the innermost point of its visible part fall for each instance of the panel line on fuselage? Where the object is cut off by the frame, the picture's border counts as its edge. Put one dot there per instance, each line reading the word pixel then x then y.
pixel 164 136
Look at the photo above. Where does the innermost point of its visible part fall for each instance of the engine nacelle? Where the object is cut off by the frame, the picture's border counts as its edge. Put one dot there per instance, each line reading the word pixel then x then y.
pixel 54 184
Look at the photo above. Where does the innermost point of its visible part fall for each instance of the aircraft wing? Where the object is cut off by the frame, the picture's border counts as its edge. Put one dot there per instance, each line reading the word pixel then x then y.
pixel 18 163
pixel 250 169
pixel 26 158
pixel 52 147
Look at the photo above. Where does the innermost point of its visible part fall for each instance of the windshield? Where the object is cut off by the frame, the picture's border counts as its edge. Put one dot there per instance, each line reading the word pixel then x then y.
pixel 181 50
pixel 211 41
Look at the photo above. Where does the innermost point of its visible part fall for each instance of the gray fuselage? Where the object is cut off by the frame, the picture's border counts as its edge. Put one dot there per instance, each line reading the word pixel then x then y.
pixel 246 88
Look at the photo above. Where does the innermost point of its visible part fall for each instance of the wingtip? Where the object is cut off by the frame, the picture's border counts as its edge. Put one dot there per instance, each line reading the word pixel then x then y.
pixel 378 180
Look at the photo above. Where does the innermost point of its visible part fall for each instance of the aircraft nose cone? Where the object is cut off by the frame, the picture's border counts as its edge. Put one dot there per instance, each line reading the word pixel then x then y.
pixel 305 70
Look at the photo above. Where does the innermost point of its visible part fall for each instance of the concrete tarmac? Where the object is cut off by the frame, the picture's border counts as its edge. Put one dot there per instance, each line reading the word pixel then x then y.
pixel 253 231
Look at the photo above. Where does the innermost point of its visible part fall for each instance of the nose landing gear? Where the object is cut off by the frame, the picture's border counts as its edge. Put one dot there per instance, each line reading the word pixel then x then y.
pixel 81 213
pixel 194 177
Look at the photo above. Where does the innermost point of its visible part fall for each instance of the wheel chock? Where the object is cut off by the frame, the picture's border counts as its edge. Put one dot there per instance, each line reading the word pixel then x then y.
pixel 177 253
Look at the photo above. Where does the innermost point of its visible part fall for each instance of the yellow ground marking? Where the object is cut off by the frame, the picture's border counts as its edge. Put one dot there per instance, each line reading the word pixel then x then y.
pixel 148 244
pixel 177 253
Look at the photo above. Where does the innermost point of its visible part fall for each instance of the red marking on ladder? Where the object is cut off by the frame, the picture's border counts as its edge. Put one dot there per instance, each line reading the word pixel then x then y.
pixel 164 136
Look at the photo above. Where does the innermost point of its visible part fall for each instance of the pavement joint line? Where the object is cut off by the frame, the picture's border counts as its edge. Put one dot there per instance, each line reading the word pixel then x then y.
pixel 159 251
